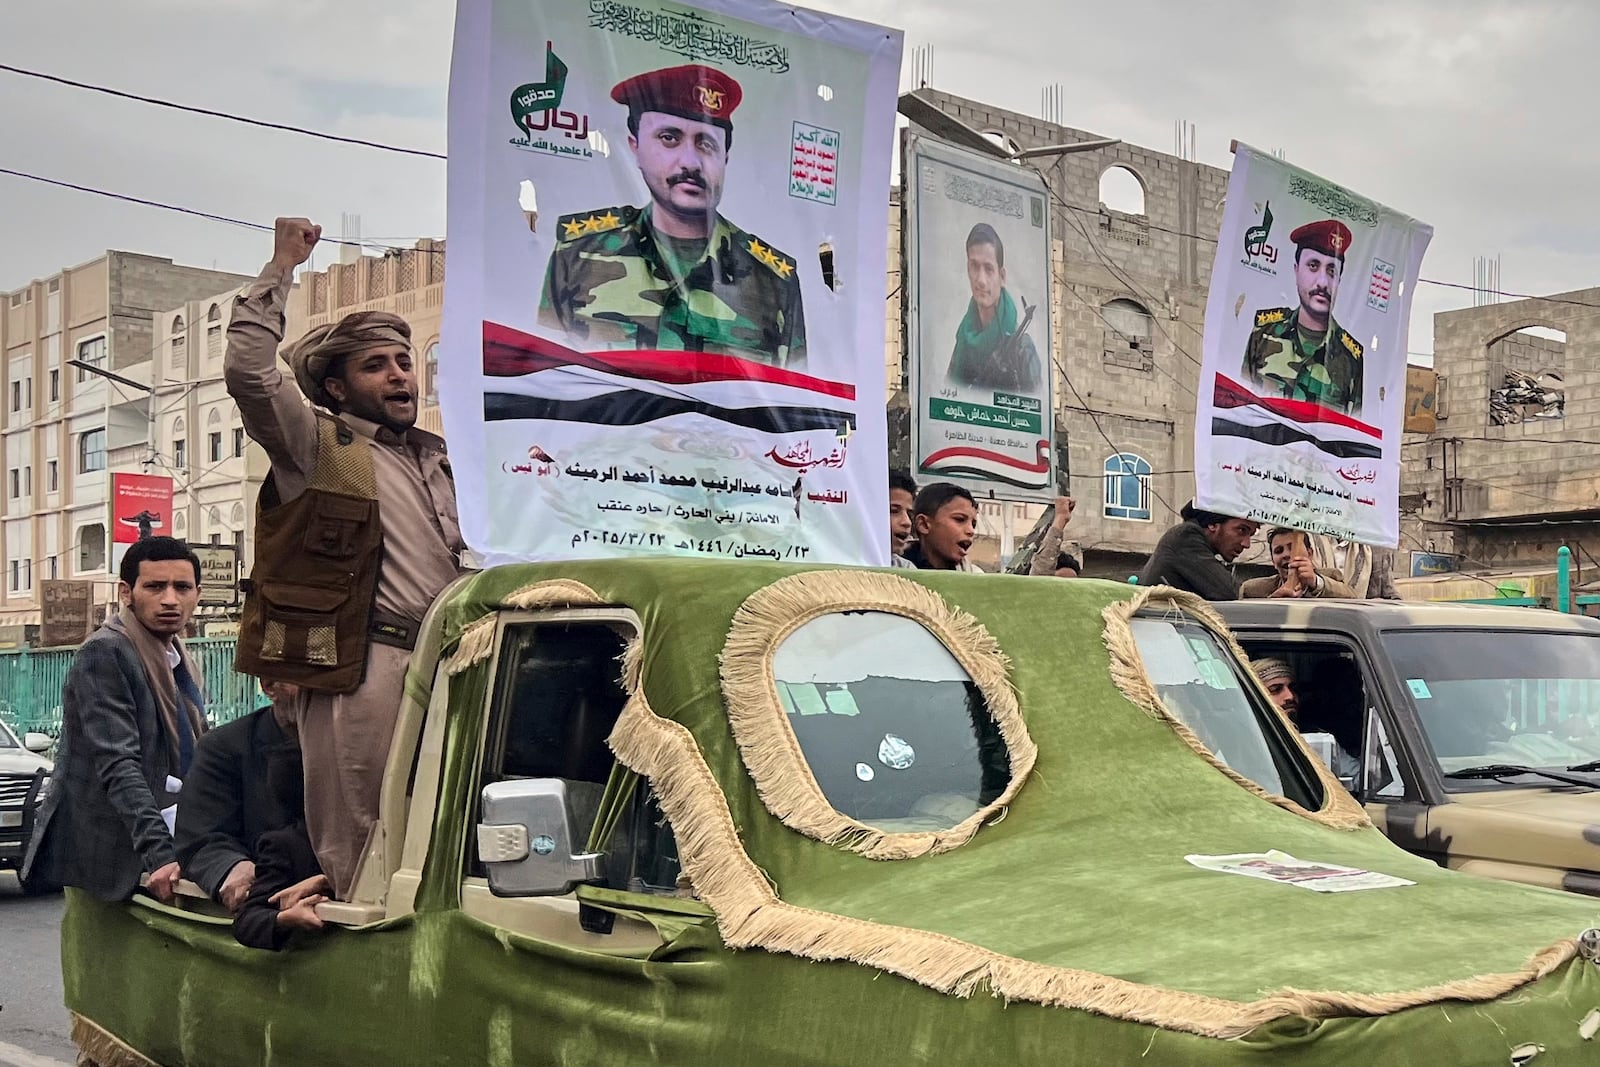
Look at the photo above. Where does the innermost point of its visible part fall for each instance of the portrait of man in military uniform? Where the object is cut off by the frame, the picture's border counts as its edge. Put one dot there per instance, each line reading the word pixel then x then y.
pixel 1302 353
pixel 675 274
pixel 992 349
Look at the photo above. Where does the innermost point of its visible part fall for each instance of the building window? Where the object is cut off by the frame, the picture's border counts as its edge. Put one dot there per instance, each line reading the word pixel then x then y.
pixel 238 542
pixel 214 445
pixel 216 538
pixel 16 397
pixel 27 482
pixel 52 567
pixel 55 386
pixel 91 548
pixel 1128 328
pixel 15 479
pixel 214 342
pixel 180 359
pixel 179 523
pixel 1127 488
pixel 430 361
pixel 238 441
pixel 180 454
pixel 52 476
pixel 92 352
pixel 16 575
pixel 213 314
pixel 91 451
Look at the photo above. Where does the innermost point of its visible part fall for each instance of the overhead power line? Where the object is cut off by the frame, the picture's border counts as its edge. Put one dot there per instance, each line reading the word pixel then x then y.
pixel 215 114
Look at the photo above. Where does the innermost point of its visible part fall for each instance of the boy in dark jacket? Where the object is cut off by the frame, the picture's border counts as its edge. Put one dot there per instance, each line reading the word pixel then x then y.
pixel 288 884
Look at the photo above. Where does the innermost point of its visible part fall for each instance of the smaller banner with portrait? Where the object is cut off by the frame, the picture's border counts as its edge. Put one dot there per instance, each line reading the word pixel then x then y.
pixel 663 327
pixel 977 283
pixel 1302 394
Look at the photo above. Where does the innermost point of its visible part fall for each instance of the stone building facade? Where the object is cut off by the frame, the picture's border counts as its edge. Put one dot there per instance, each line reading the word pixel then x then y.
pixel 1129 304
pixel 63 429
pixel 1512 470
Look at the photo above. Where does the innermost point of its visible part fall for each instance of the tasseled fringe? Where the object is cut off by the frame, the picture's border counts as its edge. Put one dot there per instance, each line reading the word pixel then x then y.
pixel 476 642
pixel 750 915
pixel 554 593
pixel 768 745
pixel 1339 809
pixel 98 1048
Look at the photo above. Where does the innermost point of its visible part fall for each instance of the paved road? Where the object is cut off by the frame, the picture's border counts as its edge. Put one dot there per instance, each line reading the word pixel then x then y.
pixel 33 1024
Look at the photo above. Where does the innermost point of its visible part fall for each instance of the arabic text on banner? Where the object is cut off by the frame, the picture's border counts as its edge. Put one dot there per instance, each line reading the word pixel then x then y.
pixel 978 316
pixel 1302 393
pixel 663 321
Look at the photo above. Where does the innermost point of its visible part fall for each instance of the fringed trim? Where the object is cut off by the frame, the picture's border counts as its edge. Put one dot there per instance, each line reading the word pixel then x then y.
pixel 554 593
pixel 1340 811
pixel 632 663
pixel 473 647
pixel 750 915
pixel 99 1048
pixel 768 745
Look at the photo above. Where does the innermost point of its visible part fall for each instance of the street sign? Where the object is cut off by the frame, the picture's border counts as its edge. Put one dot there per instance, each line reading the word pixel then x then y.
pixel 219 575
pixel 65 610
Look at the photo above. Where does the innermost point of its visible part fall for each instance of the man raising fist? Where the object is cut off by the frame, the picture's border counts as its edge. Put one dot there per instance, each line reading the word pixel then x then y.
pixel 356 533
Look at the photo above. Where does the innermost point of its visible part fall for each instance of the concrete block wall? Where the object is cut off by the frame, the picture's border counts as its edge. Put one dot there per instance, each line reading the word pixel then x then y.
pixel 1160 260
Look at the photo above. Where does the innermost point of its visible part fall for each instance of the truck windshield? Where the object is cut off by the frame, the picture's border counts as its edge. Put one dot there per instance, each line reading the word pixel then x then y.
pixel 6 740
pixel 894 731
pixel 1503 697
pixel 1202 687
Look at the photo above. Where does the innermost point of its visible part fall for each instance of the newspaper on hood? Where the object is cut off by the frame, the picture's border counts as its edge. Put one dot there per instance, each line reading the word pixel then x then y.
pixel 1275 866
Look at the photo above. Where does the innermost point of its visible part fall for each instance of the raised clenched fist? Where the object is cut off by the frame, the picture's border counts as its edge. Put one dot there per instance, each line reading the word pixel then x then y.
pixel 293 241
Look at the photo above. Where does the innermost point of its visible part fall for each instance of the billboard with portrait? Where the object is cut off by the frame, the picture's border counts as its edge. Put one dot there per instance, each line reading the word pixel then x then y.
pixel 1303 390
pixel 663 323
pixel 978 325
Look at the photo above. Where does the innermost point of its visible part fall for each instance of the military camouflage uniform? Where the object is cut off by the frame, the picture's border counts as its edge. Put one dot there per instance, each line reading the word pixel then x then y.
pixel 1283 357
pixel 613 282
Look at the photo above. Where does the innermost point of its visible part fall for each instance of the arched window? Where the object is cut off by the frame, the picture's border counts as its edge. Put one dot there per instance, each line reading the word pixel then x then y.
pixel 215 418
pixel 430 364
pixel 180 523
pixel 236 518
pixel 213 314
pixel 1127 479
pixel 1121 190
pixel 1128 329
pixel 180 349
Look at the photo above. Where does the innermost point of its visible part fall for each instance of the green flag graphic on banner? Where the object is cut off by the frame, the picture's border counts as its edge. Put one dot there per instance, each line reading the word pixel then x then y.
pixel 534 97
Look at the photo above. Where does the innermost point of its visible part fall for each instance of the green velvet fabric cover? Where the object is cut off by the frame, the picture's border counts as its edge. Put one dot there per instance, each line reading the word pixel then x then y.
pixel 1085 872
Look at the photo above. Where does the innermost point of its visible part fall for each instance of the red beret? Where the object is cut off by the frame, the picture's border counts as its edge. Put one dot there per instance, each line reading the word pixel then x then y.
pixel 1330 237
pixel 690 92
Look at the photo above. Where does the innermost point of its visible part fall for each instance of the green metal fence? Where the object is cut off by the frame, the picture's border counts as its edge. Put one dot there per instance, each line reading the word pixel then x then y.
pixel 30 685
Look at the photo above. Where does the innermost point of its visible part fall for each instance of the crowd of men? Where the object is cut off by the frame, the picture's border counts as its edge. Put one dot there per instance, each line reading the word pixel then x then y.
pixel 357 534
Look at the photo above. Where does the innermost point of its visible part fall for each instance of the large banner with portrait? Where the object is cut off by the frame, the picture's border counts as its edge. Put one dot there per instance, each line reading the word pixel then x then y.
pixel 664 315
pixel 977 283
pixel 1303 390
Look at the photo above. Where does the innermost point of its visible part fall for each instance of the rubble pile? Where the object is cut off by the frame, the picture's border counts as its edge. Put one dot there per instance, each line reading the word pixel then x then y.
pixel 1527 397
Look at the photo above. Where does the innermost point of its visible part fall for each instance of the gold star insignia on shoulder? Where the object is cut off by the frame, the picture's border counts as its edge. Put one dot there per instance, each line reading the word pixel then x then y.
pixel 573 227
pixel 784 268
pixel 609 221
pixel 757 249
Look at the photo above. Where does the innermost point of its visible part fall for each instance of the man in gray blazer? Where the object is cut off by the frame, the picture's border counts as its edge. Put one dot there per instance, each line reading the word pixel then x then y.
pixel 131 710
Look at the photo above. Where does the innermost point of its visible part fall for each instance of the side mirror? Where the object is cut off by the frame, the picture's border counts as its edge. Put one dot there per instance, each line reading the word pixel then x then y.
pixel 37 742
pixel 526 840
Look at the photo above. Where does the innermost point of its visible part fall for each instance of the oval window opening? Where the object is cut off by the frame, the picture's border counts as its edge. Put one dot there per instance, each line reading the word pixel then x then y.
pixel 894 730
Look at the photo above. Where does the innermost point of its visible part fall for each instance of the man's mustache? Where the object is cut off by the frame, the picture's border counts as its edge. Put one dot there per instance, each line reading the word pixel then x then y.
pixel 1324 293
pixel 687 177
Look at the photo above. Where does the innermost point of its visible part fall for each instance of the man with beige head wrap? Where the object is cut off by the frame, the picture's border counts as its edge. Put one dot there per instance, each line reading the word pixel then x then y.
pixel 356 533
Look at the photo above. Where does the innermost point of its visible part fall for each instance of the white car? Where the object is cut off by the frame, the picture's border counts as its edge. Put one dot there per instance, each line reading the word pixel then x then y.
pixel 24 778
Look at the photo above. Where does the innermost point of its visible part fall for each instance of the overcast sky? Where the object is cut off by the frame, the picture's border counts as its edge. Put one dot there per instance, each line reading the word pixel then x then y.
pixel 1466 115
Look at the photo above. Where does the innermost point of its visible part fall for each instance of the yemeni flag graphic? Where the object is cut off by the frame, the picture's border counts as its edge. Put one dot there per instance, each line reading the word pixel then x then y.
pixel 1277 421
pixel 536 378
pixel 995 466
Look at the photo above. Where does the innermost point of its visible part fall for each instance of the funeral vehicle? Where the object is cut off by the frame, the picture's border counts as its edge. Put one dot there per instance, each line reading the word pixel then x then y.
pixel 1476 728
pixel 24 777
pixel 691 812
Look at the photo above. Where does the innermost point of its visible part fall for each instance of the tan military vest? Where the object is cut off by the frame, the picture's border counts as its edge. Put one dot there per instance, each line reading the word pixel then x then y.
pixel 308 611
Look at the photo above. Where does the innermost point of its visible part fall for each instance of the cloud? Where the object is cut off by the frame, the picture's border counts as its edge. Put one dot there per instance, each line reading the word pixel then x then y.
pixel 1467 116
